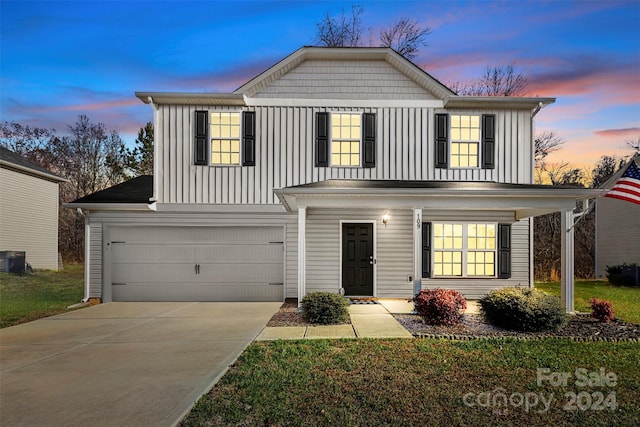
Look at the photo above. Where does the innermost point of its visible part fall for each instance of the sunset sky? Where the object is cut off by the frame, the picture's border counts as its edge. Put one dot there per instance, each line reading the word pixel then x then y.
pixel 62 59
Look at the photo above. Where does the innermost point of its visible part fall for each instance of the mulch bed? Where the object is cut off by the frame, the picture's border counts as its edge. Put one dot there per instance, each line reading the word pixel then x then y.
pixel 288 316
pixel 580 327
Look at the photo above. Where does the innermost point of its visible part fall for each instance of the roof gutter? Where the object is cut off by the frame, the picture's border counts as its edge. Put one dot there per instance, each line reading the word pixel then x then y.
pixel 537 109
pixel 87 207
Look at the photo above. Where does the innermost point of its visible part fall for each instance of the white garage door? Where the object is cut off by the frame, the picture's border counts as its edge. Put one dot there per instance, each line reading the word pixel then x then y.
pixel 197 263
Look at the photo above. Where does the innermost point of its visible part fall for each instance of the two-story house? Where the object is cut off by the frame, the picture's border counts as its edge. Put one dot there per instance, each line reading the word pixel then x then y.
pixel 337 169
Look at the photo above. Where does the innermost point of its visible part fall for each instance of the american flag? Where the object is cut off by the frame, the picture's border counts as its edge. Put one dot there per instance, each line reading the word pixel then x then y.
pixel 628 186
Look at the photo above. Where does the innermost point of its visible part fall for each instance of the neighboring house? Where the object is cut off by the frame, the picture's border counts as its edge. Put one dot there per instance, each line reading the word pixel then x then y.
pixel 337 169
pixel 617 232
pixel 28 210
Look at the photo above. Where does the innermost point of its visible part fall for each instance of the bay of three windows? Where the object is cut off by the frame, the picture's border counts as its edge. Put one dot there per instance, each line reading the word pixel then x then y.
pixel 346 139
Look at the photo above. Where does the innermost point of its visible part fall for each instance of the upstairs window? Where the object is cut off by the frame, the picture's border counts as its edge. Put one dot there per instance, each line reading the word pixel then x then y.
pixel 345 139
pixel 346 134
pixel 465 141
pixel 225 138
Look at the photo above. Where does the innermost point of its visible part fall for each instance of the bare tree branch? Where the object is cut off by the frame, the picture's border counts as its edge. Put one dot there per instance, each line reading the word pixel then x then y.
pixel 546 143
pixel 343 31
pixel 405 37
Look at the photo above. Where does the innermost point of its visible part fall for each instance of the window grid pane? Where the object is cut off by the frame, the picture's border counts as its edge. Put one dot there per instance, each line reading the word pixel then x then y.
pixel 465 141
pixel 345 139
pixel 225 138
pixel 471 244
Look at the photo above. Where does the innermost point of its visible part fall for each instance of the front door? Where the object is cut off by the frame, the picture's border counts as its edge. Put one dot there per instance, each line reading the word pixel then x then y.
pixel 357 259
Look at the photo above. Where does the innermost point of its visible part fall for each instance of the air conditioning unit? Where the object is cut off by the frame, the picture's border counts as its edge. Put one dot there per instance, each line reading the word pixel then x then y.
pixel 13 261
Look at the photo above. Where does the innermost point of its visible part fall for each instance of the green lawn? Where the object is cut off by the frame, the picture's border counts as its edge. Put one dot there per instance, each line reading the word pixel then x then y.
pixel 625 300
pixel 43 293
pixel 423 382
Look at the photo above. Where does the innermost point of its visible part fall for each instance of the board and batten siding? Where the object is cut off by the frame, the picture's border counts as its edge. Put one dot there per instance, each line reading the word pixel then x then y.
pixel 617 234
pixel 285 153
pixel 394 250
pixel 95 259
pixel 477 287
pixel 29 218
pixel 344 79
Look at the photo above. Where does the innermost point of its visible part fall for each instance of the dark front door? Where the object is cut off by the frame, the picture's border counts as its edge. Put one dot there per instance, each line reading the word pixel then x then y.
pixel 357 259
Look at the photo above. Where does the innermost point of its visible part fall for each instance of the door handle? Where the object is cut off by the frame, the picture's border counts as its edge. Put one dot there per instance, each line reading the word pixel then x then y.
pixel 372 261
pixel 197 268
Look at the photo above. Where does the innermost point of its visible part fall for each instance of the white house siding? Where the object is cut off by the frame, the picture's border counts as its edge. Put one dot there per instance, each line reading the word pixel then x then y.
pixel 100 223
pixel 394 247
pixel 617 234
pixel 285 153
pixel 29 218
pixel 344 79
pixel 476 288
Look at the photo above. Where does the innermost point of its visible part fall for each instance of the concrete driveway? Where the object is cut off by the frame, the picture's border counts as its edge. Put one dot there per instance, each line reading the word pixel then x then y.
pixel 121 364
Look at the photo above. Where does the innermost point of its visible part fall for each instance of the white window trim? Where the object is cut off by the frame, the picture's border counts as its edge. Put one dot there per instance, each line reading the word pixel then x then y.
pixel 225 165
pixel 479 142
pixel 465 250
pixel 331 114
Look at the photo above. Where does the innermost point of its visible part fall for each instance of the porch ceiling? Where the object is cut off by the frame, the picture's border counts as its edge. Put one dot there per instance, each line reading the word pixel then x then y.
pixel 525 200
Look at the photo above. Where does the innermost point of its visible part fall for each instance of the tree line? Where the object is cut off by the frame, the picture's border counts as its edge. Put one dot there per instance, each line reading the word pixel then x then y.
pixel 91 158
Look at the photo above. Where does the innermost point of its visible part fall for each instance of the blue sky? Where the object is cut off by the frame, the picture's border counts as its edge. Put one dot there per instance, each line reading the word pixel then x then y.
pixel 61 59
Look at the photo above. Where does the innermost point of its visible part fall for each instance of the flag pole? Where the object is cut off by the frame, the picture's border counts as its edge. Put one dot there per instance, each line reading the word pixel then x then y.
pixel 608 183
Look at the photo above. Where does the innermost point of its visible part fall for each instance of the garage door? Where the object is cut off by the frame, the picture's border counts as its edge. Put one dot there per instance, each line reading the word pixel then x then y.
pixel 197 263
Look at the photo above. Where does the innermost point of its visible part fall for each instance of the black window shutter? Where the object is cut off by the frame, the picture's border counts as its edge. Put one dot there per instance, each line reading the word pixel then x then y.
pixel 442 140
pixel 248 138
pixel 426 249
pixel 504 251
pixel 200 142
pixel 369 140
pixel 322 139
pixel 488 141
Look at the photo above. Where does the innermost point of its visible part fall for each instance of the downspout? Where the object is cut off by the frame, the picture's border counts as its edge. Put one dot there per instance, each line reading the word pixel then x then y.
pixel 155 157
pixel 535 111
pixel 87 254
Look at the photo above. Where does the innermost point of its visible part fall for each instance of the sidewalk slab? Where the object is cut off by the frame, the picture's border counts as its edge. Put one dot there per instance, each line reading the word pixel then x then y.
pixel 282 333
pixel 378 326
pixel 330 331
pixel 397 306
pixel 367 309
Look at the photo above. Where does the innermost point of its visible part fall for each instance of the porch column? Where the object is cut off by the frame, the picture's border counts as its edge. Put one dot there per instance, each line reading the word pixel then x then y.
pixel 302 253
pixel 567 260
pixel 417 250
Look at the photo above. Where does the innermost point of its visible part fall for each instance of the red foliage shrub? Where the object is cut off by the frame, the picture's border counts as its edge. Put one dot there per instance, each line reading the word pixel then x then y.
pixel 602 310
pixel 440 306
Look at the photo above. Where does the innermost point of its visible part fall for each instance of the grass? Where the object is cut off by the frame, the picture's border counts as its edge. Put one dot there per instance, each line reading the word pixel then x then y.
pixel 27 297
pixel 418 382
pixel 625 300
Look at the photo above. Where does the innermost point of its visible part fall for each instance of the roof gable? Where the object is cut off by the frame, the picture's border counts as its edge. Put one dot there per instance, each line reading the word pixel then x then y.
pixel 345 73
pixel 16 162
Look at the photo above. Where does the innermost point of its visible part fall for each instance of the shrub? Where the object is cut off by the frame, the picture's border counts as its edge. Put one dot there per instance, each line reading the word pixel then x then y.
pixel 623 274
pixel 523 309
pixel 602 310
pixel 440 306
pixel 325 308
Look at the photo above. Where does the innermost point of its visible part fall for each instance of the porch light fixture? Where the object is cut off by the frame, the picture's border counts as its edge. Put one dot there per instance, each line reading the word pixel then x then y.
pixel 385 219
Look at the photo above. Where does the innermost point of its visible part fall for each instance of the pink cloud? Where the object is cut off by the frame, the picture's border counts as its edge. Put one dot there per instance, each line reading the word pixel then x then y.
pixel 619 133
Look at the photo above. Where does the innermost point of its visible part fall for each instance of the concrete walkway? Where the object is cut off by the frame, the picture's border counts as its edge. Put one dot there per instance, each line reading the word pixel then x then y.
pixel 367 321
pixel 121 364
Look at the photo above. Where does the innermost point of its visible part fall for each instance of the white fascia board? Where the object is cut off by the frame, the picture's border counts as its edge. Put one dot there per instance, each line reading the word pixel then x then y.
pixel 211 208
pixel 524 203
pixel 33 172
pixel 111 206
pixel 191 98
pixel 359 103
pixel 458 101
